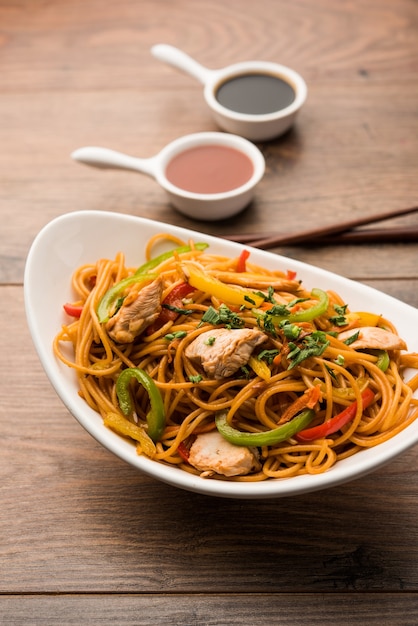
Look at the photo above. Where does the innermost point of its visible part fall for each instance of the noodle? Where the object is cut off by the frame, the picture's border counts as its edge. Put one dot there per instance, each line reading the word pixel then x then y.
pixel 314 370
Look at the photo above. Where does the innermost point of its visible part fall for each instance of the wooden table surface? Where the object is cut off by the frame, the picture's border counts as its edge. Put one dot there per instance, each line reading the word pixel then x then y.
pixel 85 538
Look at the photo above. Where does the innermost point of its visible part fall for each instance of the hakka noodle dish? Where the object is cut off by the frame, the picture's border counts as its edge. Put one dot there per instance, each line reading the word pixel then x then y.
pixel 232 371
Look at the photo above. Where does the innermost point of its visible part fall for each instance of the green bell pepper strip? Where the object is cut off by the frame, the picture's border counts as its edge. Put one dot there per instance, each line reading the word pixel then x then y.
pixel 156 415
pixel 110 297
pixel 268 438
pixel 153 263
pixel 383 359
pixel 142 273
pixel 306 315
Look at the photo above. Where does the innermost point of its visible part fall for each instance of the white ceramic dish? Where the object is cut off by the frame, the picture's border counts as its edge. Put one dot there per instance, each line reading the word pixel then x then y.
pixel 256 127
pixel 199 206
pixel 83 237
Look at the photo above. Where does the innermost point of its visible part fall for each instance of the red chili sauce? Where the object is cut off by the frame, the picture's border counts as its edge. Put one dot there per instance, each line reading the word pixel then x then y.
pixel 209 169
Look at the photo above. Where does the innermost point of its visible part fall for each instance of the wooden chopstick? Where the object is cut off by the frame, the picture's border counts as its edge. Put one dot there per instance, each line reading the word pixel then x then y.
pixel 316 234
pixel 375 235
pixel 370 235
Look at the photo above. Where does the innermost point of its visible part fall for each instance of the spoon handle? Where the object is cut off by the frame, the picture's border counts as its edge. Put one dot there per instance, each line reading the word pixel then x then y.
pixel 182 61
pixel 106 158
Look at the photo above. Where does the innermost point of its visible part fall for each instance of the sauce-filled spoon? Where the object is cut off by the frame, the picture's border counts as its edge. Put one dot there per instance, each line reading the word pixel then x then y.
pixel 207 176
pixel 258 100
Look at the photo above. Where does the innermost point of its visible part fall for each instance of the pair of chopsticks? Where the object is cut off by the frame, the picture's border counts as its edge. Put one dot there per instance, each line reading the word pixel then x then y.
pixel 341 233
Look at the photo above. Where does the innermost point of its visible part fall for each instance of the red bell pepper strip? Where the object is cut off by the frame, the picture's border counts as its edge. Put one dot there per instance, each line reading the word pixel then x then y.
pixel 176 295
pixel 174 299
pixel 291 275
pixel 183 451
pixel 72 309
pixel 335 423
pixel 241 263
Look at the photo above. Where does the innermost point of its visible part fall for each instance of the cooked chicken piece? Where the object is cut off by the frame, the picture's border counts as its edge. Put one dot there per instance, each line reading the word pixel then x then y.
pixel 212 453
pixel 373 337
pixel 221 352
pixel 136 313
pixel 258 281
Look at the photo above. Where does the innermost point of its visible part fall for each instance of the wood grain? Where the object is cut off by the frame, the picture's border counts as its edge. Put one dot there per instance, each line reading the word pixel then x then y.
pixel 213 610
pixel 85 538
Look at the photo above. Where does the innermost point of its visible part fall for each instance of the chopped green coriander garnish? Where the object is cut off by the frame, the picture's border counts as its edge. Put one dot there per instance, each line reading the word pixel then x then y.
pixel 339 319
pixel 278 310
pixel 178 334
pixel 224 315
pixel 267 355
pixel 266 323
pixel 176 309
pixel 245 371
pixel 290 331
pixel 352 339
pixel 341 310
pixel 331 372
pixel 311 345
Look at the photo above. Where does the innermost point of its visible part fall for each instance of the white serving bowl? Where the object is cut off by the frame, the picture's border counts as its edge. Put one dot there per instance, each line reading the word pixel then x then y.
pixel 199 206
pixel 256 127
pixel 83 237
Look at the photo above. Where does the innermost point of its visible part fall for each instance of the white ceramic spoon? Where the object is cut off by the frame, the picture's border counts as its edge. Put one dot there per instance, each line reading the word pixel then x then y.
pixel 254 127
pixel 213 206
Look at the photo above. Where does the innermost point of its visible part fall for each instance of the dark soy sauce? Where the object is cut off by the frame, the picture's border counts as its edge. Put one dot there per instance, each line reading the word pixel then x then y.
pixel 255 94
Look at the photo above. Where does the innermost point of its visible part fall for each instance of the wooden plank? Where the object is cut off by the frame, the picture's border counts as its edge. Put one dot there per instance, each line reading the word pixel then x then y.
pixel 80 46
pixel 212 610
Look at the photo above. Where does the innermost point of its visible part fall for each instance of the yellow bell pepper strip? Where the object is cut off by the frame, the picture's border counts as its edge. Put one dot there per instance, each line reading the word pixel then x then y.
pixel 225 293
pixel 342 393
pixel 114 293
pixel 127 429
pixel 153 263
pixel 335 424
pixel 156 415
pixel 267 438
pixel 260 367
pixel 363 318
